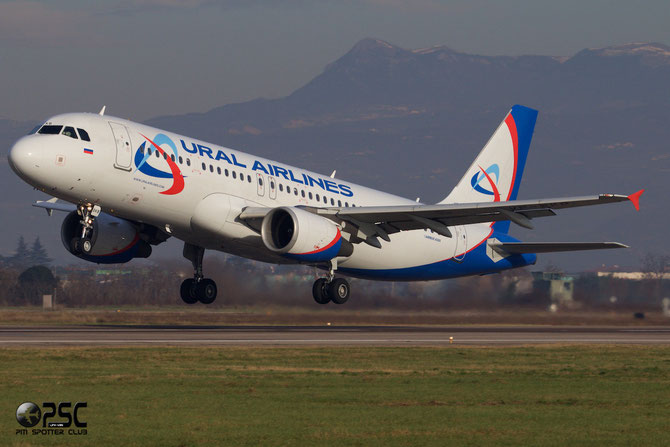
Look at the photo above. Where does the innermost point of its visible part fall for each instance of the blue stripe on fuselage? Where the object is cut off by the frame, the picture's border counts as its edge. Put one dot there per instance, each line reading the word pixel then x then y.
pixel 476 262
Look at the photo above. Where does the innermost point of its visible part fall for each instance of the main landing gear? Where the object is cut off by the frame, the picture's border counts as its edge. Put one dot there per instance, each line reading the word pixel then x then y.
pixel 330 288
pixel 83 243
pixel 197 288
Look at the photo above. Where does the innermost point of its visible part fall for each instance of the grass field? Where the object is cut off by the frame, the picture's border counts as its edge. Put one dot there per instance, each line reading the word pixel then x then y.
pixel 553 396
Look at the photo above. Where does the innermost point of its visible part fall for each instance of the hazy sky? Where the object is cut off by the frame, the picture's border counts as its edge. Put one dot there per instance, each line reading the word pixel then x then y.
pixel 144 58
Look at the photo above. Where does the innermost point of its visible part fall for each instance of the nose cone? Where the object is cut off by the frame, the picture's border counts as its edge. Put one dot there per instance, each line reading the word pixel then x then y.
pixel 25 158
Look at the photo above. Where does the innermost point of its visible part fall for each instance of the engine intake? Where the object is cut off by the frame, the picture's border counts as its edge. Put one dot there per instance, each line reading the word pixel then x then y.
pixel 114 240
pixel 303 236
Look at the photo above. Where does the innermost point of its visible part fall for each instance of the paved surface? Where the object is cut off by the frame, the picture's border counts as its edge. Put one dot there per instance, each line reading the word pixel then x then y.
pixel 325 335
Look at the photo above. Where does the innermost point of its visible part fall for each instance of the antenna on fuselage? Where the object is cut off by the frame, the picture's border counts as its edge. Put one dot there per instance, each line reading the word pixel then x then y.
pixel 102 111
pixel 333 174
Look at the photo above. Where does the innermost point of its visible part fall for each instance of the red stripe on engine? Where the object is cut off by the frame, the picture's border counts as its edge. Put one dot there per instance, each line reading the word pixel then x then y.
pixel 333 242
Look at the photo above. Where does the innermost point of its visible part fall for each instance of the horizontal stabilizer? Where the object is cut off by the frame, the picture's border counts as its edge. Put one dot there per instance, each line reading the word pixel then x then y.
pixel 551 247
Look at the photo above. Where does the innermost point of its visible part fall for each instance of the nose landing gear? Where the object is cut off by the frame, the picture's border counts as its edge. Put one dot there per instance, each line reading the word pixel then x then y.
pixel 197 288
pixel 84 243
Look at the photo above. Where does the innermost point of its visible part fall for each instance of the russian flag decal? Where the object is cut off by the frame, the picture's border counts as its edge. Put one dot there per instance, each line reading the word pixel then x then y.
pixel 88 151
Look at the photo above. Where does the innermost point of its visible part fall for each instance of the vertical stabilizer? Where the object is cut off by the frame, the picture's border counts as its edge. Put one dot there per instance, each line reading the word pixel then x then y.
pixel 496 173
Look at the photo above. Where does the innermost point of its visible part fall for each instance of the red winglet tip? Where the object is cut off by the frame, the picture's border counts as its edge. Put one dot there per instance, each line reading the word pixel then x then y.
pixel 635 198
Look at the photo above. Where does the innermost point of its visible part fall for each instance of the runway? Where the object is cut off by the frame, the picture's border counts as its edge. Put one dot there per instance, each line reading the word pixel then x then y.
pixel 327 335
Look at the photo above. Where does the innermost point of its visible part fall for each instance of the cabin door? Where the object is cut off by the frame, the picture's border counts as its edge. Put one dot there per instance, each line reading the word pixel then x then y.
pixel 124 149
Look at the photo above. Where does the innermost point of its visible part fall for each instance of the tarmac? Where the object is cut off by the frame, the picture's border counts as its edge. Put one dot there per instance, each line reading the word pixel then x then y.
pixel 119 335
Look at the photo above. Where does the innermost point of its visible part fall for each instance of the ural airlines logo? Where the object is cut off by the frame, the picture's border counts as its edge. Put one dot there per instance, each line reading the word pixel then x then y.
pixel 486 174
pixel 143 157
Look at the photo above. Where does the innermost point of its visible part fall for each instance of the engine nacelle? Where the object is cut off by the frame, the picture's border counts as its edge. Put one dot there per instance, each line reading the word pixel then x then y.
pixel 303 236
pixel 114 240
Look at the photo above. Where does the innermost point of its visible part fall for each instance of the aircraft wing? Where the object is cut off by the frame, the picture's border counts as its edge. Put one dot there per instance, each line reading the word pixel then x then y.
pixel 384 220
pixel 55 204
pixel 369 222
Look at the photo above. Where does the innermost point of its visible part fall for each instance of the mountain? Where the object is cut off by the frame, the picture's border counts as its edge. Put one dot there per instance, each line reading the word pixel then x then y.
pixel 410 121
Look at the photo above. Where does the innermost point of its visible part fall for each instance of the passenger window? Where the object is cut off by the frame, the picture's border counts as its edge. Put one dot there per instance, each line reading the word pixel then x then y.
pixel 172 157
pixel 181 160
pixel 272 184
pixel 260 181
pixel 288 189
pixel 83 134
pixel 211 168
pixel 295 191
pixel 50 130
pixel 318 199
pixel 332 201
pixel 158 154
pixel 218 170
pixel 204 167
pixel 242 177
pixel 325 200
pixel 165 155
pixel 302 193
pixel 281 187
pixel 339 203
pixel 188 162
pixel 234 174
pixel 226 171
pixel 310 196
pixel 249 178
pixel 142 149
pixel 346 204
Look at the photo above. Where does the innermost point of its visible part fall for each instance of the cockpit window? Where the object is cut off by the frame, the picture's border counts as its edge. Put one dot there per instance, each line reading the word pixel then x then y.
pixel 69 132
pixel 83 134
pixel 50 130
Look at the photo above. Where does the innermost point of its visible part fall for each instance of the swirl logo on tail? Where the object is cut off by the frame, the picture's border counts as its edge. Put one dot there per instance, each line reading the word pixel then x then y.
pixel 494 169
pixel 142 158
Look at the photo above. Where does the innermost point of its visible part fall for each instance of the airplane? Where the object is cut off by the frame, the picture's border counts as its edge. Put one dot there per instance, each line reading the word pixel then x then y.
pixel 127 186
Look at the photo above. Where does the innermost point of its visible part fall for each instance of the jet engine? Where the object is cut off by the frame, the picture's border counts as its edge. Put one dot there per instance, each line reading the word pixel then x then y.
pixel 112 240
pixel 303 236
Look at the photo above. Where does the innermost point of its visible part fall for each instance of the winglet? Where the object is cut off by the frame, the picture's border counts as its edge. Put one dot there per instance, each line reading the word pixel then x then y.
pixel 635 198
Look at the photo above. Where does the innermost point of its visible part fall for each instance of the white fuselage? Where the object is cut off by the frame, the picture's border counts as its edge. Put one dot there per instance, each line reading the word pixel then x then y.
pixel 117 171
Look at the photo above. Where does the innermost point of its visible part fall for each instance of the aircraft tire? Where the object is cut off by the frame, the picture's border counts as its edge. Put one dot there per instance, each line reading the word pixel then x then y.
pixel 75 246
pixel 86 246
pixel 206 291
pixel 320 292
pixel 187 291
pixel 339 290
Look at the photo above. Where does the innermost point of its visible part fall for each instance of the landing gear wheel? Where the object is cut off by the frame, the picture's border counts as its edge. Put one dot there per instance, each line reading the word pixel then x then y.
pixel 86 246
pixel 187 291
pixel 206 290
pixel 319 291
pixel 339 290
pixel 75 246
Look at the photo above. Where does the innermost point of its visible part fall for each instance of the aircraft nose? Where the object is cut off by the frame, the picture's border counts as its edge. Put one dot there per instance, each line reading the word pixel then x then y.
pixel 24 157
